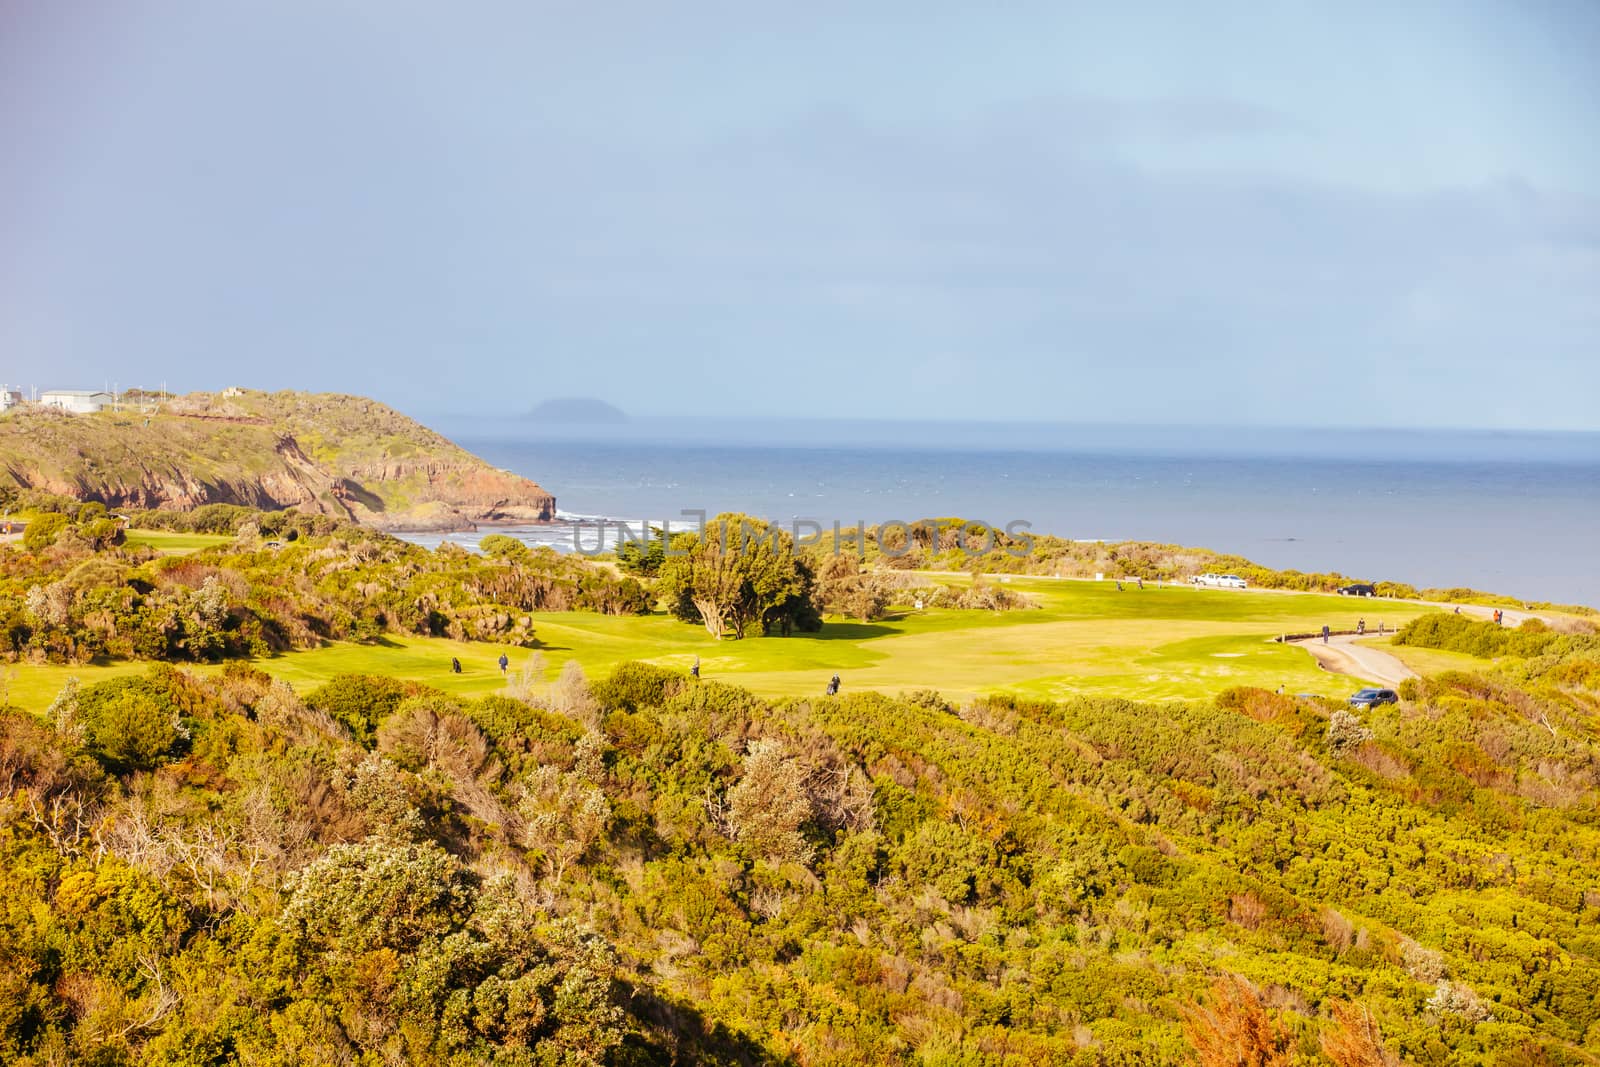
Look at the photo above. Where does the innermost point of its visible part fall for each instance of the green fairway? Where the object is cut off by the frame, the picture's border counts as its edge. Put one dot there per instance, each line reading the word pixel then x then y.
pixel 1150 644
pixel 1432 660
pixel 174 544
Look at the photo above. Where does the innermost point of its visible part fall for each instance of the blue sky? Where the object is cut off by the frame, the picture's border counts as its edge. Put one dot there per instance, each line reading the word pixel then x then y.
pixel 1275 213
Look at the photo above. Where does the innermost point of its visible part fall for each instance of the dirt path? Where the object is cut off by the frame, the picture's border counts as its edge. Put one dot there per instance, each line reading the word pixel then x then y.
pixel 1347 655
pixel 1513 616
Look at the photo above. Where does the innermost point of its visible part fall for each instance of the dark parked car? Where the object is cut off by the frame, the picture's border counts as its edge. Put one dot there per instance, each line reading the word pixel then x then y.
pixel 1371 698
pixel 1359 589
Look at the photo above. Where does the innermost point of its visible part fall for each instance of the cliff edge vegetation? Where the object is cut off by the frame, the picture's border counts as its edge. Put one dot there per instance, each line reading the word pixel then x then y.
pixel 326 453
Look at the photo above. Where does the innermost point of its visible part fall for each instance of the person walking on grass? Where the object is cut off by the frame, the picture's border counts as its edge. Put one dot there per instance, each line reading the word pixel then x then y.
pixel 1361 626
pixel 504 663
pixel 694 671
pixel 1324 633
pixel 833 686
pixel 455 665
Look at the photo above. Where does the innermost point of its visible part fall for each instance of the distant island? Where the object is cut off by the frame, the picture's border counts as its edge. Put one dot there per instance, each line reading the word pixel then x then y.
pixel 326 453
pixel 577 409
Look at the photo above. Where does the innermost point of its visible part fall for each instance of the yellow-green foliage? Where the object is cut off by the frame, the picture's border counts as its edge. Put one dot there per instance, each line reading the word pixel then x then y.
pixel 42 532
pixel 1474 637
pixel 286 581
pixel 689 873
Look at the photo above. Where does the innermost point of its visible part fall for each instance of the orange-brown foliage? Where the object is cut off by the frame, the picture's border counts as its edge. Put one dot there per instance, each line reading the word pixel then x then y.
pixel 1352 1039
pixel 1235 1031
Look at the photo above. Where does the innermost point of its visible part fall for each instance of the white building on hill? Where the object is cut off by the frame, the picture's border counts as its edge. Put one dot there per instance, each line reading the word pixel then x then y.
pixel 9 397
pixel 77 401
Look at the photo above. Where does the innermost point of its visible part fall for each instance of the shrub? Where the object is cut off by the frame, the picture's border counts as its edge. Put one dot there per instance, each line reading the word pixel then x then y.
pixel 1345 732
pixel 432 731
pixel 378 894
pixel 570 695
pixel 219 518
pixel 931 699
pixel 980 596
pixel 42 531
pixel 769 806
pixel 101 534
pixel 1354 1040
pixel 632 686
pixel 1458 633
pixel 499 546
pixel 361 702
pixel 42 760
pixel 514 723
pixel 947 858
pixel 845 588
pixel 130 724
pixel 1236 1030
pixel 1258 704
pixel 600 592
pixel 1582 674
pixel 1458 1000
pixel 466 975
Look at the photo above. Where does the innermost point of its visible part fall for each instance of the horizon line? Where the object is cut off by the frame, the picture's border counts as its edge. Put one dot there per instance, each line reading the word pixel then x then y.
pixel 768 417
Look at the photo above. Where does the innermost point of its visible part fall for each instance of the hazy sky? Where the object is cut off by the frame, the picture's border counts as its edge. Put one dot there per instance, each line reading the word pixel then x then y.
pixel 1197 212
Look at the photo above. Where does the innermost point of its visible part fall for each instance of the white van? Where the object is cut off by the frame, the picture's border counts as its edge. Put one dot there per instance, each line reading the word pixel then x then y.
pixel 1220 581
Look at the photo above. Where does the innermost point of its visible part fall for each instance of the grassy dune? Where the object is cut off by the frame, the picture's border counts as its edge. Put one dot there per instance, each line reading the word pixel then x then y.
pixel 1154 644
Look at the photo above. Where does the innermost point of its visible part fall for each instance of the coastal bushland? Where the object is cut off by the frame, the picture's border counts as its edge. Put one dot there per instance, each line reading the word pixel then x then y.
pixel 283 581
pixel 653 869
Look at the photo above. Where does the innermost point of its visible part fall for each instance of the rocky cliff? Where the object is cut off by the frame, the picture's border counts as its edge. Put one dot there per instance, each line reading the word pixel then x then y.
pixel 330 453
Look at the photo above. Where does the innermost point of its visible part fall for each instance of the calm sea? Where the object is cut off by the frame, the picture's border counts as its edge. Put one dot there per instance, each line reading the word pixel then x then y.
pixel 1509 512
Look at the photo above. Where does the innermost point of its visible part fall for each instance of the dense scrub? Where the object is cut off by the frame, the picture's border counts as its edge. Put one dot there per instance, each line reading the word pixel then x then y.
pixel 75 592
pixel 1457 633
pixel 655 870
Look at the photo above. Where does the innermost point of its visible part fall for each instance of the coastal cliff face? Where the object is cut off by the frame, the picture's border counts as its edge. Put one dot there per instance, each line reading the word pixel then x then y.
pixel 328 453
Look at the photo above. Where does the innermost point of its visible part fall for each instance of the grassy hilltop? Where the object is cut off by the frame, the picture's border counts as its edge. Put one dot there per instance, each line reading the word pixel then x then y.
pixel 319 452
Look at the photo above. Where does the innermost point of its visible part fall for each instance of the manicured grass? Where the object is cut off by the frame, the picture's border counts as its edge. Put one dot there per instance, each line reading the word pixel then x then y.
pixel 1086 637
pixel 1433 660
pixel 175 544
pixel 33 687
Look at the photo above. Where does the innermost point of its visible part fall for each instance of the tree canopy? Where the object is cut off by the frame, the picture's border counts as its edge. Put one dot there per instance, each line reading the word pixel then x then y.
pixel 736 573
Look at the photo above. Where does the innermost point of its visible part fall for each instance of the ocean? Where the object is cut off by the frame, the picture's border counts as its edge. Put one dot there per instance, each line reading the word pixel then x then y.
pixel 1514 513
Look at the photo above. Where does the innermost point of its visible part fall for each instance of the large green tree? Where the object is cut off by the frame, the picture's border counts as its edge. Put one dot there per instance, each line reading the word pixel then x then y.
pixel 736 572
